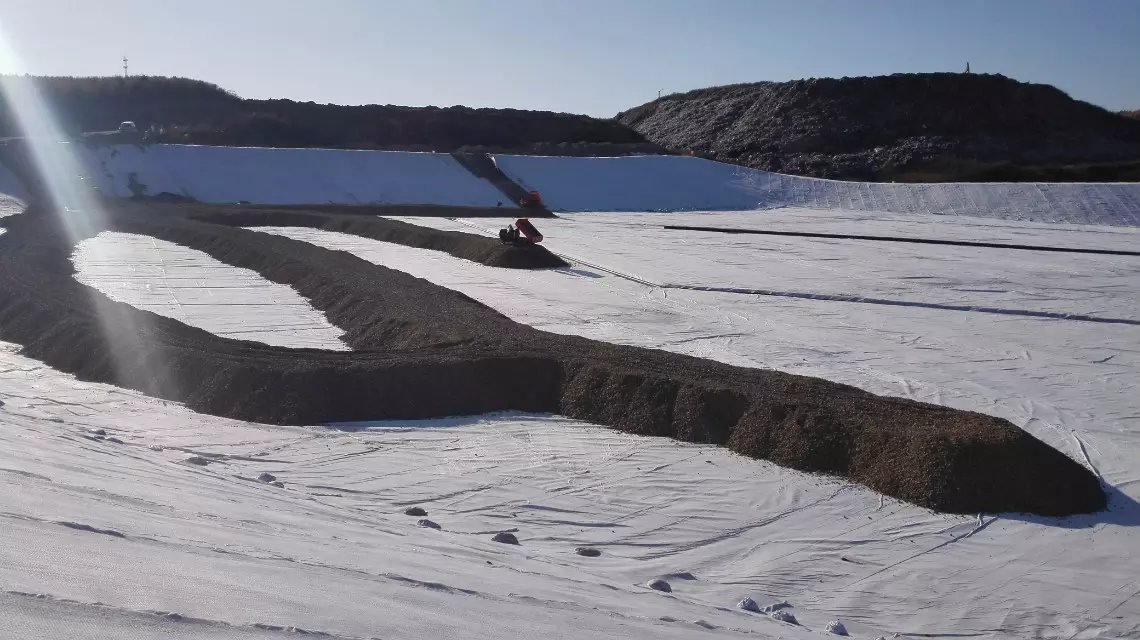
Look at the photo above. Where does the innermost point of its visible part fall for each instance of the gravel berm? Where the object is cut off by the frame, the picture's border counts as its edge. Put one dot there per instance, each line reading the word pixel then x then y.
pixel 486 251
pixel 421 351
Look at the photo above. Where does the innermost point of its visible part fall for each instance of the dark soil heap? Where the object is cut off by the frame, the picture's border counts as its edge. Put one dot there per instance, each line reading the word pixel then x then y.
pixel 945 124
pixel 484 250
pixel 421 350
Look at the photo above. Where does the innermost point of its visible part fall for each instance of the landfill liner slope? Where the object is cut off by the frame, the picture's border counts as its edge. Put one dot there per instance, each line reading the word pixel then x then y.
pixel 421 350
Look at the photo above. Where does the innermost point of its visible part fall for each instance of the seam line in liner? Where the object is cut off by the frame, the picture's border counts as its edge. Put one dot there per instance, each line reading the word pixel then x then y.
pixel 952 243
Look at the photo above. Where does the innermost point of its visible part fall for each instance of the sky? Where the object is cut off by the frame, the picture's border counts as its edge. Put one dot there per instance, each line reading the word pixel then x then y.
pixel 597 57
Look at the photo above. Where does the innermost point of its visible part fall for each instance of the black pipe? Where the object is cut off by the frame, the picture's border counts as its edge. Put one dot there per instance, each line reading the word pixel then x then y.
pixel 954 243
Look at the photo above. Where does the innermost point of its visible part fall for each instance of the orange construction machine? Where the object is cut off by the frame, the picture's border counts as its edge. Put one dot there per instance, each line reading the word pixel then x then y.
pixel 522 231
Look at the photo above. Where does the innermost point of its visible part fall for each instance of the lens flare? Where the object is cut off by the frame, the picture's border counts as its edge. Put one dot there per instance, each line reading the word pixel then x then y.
pixel 60 190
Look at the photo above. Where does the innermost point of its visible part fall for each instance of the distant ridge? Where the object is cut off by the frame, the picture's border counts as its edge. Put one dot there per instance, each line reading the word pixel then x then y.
pixel 962 126
pixel 195 112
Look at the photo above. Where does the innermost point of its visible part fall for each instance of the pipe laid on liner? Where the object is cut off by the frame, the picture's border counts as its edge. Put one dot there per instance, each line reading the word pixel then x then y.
pixel 954 243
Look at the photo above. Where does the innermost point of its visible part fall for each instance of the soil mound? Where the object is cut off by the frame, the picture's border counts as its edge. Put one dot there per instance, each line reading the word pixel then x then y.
pixel 420 210
pixel 421 350
pixel 481 249
pixel 888 127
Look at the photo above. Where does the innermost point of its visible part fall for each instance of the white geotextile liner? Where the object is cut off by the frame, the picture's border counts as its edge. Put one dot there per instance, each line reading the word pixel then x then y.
pixel 643 183
pixel 1068 382
pixel 194 288
pixel 286 176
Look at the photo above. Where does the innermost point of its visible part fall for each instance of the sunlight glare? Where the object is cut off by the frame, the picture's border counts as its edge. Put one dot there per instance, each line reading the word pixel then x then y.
pixel 80 213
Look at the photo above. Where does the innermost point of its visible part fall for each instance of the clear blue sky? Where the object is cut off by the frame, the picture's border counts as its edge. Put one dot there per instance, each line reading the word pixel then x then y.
pixel 586 56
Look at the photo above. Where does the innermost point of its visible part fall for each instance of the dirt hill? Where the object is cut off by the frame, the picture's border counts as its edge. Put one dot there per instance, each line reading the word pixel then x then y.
pixel 902 126
pixel 195 112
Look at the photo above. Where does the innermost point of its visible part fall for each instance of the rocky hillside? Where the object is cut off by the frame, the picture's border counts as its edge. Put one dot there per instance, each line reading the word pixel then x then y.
pixel 903 126
pixel 194 112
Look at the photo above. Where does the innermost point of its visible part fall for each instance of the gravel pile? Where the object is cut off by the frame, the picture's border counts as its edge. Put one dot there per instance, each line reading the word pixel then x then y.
pixel 420 351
